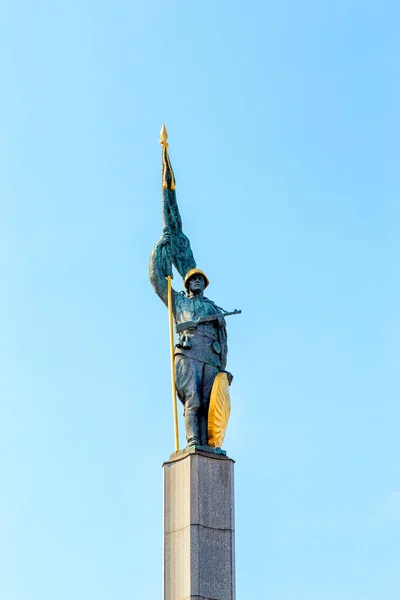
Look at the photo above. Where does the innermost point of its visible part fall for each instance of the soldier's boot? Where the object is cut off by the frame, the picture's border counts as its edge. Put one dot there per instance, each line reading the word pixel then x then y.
pixel 203 430
pixel 192 427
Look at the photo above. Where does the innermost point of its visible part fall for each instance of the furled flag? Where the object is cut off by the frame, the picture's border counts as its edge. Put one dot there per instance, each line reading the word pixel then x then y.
pixel 179 251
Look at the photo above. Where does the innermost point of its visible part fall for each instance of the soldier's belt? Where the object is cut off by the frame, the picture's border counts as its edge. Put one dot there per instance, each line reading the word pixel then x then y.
pixel 185 343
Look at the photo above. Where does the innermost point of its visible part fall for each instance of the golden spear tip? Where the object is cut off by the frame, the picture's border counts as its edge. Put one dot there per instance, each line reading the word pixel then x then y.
pixel 163 135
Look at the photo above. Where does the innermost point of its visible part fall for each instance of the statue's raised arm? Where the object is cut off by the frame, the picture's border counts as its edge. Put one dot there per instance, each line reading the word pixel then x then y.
pixel 160 267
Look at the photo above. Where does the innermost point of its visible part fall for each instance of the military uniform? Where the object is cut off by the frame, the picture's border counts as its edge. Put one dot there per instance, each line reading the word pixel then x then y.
pixel 200 353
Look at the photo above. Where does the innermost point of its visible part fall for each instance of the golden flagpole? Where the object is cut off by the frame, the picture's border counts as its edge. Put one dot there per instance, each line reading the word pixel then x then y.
pixel 172 349
pixel 163 142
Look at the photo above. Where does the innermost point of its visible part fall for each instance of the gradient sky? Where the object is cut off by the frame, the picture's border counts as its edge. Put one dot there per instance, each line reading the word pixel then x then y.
pixel 284 122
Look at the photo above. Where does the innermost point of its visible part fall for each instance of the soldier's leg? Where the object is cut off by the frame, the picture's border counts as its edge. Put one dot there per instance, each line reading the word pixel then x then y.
pixel 209 373
pixel 188 386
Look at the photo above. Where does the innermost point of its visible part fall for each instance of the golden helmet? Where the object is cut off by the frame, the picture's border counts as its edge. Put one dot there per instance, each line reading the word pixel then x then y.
pixel 195 272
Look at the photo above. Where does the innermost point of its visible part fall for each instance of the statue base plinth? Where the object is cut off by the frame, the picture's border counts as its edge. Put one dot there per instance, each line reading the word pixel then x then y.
pixel 199 551
pixel 193 449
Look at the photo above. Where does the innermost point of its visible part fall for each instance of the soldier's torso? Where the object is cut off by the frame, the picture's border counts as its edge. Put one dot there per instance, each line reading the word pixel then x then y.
pixel 200 343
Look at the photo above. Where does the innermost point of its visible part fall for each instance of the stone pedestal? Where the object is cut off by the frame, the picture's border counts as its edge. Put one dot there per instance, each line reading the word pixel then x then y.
pixel 199 551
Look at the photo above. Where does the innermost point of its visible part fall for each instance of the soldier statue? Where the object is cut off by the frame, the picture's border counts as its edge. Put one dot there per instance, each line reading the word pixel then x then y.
pixel 201 349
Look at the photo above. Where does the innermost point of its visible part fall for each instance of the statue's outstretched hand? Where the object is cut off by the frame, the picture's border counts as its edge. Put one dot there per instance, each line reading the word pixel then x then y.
pixel 164 239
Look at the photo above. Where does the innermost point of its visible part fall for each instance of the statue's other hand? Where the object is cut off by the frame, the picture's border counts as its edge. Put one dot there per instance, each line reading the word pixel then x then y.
pixel 221 322
pixel 230 376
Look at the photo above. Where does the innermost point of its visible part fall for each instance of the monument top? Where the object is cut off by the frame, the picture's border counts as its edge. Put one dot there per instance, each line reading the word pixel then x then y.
pixel 163 135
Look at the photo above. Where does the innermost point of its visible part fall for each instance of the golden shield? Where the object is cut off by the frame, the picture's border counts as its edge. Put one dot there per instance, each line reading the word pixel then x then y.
pixel 219 411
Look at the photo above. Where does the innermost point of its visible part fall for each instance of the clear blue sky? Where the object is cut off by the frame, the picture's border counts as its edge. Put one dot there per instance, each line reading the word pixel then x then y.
pixel 284 136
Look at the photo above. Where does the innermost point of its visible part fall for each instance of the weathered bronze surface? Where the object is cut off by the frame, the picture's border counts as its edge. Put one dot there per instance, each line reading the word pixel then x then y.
pixel 201 350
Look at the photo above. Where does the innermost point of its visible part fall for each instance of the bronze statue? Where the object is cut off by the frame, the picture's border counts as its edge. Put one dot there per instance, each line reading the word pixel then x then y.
pixel 200 352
